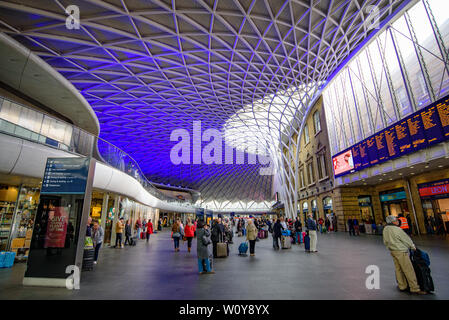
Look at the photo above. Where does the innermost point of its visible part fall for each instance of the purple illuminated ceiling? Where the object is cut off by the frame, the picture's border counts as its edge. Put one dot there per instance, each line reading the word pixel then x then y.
pixel 148 67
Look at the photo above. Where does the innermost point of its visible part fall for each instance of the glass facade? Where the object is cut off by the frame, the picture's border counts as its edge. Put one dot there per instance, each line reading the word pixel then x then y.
pixel 404 69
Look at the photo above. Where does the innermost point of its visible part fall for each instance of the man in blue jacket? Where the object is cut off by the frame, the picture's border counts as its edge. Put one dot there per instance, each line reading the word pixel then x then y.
pixel 311 226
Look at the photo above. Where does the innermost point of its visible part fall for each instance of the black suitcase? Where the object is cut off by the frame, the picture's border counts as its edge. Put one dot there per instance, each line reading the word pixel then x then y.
pixel 88 259
pixel 422 272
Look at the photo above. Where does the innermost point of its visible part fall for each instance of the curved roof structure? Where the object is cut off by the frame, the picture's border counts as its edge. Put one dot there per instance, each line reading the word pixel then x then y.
pixel 248 68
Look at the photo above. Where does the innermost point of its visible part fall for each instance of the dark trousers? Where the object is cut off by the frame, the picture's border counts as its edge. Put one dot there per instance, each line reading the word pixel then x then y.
pixel 127 240
pixel 351 231
pixel 148 236
pixel 189 242
pixel 118 239
pixel 97 250
pixel 252 246
pixel 214 248
pixel 276 242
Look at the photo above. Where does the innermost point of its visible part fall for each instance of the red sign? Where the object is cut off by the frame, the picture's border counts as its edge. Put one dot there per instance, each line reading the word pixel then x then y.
pixel 56 228
pixel 343 162
pixel 430 191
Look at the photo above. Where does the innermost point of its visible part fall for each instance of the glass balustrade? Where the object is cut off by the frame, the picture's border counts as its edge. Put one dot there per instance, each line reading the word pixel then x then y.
pixel 26 123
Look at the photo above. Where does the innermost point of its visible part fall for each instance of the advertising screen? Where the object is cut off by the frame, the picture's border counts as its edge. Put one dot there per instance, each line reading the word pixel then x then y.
pixel 343 163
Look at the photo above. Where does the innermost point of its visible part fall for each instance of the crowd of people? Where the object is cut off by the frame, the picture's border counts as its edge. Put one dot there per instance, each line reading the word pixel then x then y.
pixel 396 237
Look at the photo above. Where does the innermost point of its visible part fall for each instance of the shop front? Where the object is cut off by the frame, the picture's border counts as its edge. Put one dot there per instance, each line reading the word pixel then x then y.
pixel 367 217
pixel 327 206
pixel 17 213
pixel 435 201
pixel 394 202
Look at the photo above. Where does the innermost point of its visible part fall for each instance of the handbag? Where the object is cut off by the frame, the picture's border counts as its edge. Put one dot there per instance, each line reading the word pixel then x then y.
pixel 176 235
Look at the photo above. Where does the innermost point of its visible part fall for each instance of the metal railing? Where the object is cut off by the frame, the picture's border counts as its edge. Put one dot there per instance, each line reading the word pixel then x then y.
pixel 26 123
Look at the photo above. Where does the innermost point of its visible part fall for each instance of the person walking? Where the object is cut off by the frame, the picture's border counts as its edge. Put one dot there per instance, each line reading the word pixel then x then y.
pixel 298 230
pixel 149 228
pixel 403 223
pixel 128 233
pixel 321 222
pixel 351 227
pixel 356 227
pixel 251 236
pixel 97 239
pixel 399 244
pixel 138 228
pixel 327 224
pixel 119 233
pixel 203 248
pixel 312 228
pixel 189 233
pixel 277 234
pixel 215 236
pixel 176 234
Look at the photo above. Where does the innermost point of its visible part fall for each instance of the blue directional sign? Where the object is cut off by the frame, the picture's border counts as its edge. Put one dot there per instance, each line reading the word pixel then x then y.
pixel 65 176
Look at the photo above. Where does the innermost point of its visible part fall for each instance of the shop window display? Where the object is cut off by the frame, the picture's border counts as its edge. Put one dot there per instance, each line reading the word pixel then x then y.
pixel 8 198
pixel 23 222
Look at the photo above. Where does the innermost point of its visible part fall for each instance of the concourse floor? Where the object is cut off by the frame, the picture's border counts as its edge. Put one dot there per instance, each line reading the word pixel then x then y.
pixel 155 271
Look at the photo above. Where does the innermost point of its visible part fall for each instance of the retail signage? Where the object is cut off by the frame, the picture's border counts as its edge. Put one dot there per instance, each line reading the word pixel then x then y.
pixel 56 228
pixel 426 127
pixel 393 196
pixel 65 176
pixel 434 188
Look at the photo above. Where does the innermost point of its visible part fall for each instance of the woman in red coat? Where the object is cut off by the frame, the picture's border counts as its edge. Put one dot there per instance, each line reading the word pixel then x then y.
pixel 189 233
pixel 149 229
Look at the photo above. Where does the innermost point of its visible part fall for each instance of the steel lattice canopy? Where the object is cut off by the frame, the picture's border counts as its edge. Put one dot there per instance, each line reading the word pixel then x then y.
pixel 148 67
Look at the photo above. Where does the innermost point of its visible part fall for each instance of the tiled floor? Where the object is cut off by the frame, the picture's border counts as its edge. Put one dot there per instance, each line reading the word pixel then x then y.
pixel 155 271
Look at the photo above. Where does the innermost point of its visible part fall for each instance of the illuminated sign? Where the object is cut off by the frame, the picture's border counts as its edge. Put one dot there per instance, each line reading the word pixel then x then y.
pixel 423 128
pixel 343 162
pixel 434 188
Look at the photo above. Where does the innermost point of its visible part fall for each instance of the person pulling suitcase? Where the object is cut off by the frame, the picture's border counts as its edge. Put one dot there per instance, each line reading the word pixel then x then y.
pixel 399 244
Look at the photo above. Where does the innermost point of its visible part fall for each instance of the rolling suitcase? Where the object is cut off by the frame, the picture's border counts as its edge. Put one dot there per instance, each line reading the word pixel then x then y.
pixel 420 261
pixel 222 249
pixel 286 242
pixel 307 243
pixel 142 235
pixel 243 248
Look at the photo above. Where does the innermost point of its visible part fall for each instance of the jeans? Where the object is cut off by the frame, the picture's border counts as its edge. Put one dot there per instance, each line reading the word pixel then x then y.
pixel 176 240
pixel 139 230
pixel 97 250
pixel 252 246
pixel 321 228
pixel 118 239
pixel 298 237
pixel 200 265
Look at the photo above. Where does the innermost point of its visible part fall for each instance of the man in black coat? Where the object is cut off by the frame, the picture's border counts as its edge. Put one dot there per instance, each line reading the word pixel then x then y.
pixel 277 233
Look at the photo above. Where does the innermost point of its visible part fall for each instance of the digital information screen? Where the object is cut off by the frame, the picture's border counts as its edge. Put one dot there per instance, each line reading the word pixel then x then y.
pixel 415 132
